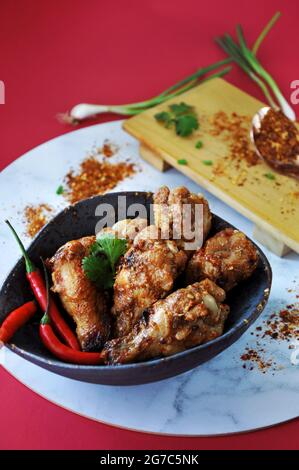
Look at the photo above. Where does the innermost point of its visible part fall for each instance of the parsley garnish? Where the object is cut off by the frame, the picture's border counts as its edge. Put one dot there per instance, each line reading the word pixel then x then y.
pixel 99 265
pixel 186 124
pixel 181 108
pixel 182 161
pixel 60 190
pixel 181 116
pixel 198 144
pixel 207 162
pixel 164 117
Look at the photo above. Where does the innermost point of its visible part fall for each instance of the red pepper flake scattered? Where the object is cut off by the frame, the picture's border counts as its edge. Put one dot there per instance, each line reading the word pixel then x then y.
pixel 235 129
pixel 95 177
pixel 280 326
pixel 109 149
pixel 36 217
pixel 255 357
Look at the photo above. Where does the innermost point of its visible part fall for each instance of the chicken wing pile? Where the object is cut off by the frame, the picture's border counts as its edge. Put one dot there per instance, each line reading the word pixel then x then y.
pixel 166 297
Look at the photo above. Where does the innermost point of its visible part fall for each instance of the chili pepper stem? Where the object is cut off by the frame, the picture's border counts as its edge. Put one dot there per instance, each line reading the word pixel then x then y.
pixel 29 264
pixel 46 318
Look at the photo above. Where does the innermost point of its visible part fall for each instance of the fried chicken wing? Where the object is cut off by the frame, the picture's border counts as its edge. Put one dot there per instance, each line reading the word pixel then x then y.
pixel 184 215
pixel 186 318
pixel 146 274
pixel 227 258
pixel 84 302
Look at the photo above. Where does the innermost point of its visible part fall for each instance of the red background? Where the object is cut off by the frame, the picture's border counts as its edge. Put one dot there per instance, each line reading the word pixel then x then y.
pixel 57 53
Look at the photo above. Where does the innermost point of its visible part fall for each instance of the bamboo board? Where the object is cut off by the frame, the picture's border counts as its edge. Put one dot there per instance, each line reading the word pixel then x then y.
pixel 273 205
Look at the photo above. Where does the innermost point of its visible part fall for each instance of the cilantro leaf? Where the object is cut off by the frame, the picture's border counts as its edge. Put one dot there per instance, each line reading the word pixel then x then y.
pixel 181 116
pixel 185 124
pixel 165 117
pixel 112 247
pixel 98 270
pixel 99 265
pixel 95 249
pixel 181 108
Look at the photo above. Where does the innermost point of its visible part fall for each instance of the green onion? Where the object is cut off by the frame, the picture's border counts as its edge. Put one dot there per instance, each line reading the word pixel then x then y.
pixel 270 176
pixel 182 161
pixel 84 110
pixel 60 190
pixel 265 31
pixel 247 60
pixel 207 162
pixel 198 144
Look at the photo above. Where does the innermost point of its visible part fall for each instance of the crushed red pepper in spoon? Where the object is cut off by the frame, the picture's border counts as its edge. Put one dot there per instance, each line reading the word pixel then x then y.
pixel 277 141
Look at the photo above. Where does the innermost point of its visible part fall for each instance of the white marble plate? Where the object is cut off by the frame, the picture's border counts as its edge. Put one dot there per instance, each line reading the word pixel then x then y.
pixel 218 397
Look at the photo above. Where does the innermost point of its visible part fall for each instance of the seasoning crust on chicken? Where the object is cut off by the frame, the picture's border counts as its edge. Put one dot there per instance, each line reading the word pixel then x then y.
pixel 83 301
pixel 227 258
pixel 186 318
pixel 171 213
pixel 146 274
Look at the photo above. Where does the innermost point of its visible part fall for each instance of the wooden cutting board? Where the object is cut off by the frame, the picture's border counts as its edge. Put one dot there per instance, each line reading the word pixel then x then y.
pixel 272 204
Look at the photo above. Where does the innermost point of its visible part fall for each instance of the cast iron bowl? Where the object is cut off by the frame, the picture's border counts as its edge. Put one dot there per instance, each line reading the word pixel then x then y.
pixel 247 301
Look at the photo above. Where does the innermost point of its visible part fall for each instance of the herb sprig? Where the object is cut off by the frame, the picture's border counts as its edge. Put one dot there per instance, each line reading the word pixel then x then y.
pixel 99 266
pixel 182 116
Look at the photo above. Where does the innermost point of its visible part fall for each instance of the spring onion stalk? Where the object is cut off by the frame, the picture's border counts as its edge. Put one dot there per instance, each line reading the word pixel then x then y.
pixel 247 60
pixel 233 51
pixel 265 31
pixel 85 110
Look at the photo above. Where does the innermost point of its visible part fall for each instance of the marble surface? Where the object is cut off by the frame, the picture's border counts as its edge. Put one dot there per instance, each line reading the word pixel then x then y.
pixel 218 397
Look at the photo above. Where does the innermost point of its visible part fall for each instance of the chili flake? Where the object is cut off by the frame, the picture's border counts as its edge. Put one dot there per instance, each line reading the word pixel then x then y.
pixel 36 217
pixel 235 130
pixel 95 177
pixel 108 149
pixel 280 326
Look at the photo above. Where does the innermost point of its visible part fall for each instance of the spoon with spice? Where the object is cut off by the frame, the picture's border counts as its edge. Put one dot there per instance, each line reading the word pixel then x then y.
pixel 276 140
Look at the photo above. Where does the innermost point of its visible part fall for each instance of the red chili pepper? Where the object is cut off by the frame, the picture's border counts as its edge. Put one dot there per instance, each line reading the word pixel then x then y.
pixel 38 287
pixel 60 350
pixel 63 352
pixel 16 319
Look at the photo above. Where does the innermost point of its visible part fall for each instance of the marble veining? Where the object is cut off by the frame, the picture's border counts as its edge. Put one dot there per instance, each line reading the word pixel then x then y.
pixel 218 397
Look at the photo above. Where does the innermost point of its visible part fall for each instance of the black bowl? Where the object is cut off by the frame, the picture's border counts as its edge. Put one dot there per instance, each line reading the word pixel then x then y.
pixel 247 301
